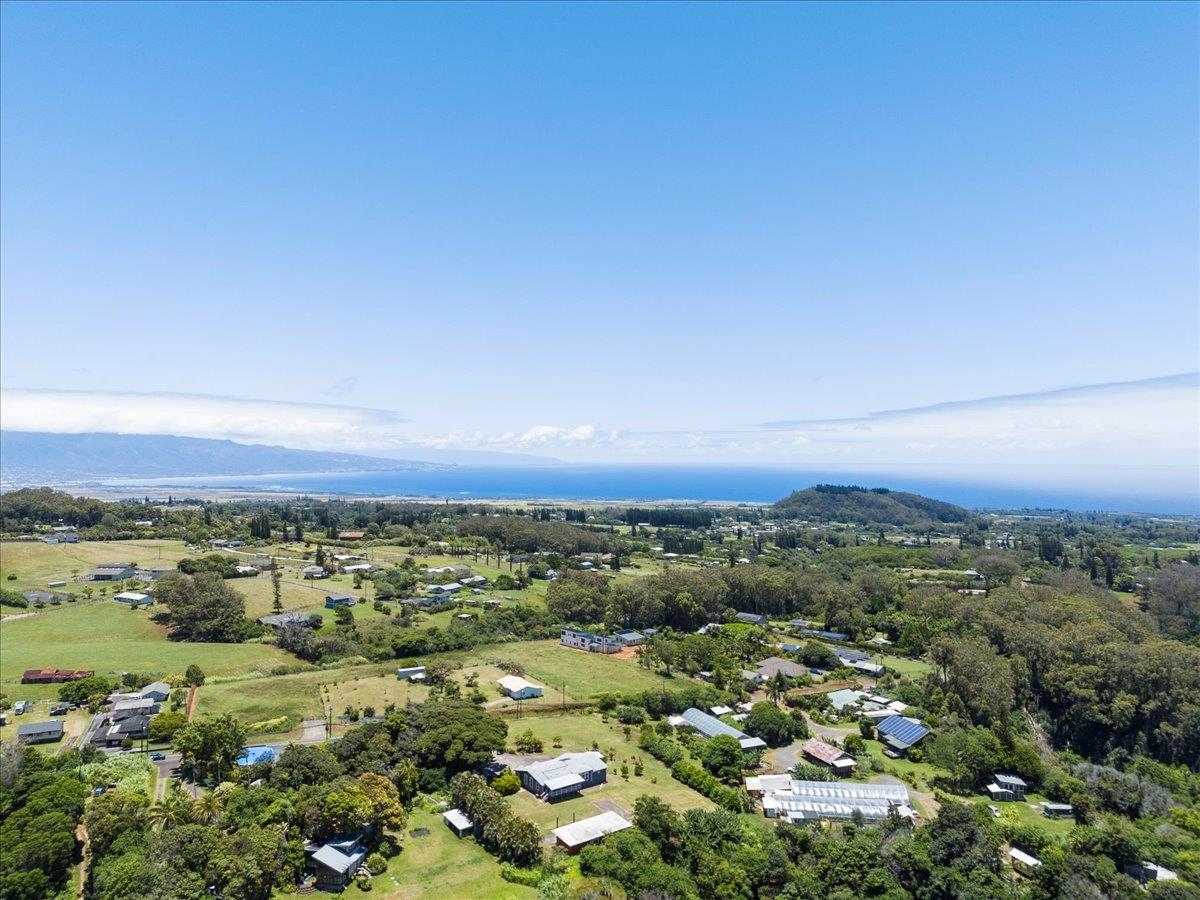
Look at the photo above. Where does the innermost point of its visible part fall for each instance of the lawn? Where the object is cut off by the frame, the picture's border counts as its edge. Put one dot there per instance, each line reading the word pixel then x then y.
pixel 585 674
pixel 578 732
pixel 442 866
pixel 1030 813
pixel 111 639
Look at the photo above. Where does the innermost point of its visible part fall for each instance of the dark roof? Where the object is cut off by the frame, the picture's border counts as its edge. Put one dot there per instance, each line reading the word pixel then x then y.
pixel 903 730
pixel 35 728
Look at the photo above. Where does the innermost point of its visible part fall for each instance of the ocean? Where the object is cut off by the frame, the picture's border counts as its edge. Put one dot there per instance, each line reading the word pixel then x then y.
pixel 1128 489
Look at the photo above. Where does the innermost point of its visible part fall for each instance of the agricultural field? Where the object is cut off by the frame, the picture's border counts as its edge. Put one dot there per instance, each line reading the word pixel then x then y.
pixel 111 639
pixel 576 732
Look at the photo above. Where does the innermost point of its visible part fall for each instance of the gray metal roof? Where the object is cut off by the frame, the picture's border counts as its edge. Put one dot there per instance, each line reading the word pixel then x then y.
pixel 552 772
pixel 32 728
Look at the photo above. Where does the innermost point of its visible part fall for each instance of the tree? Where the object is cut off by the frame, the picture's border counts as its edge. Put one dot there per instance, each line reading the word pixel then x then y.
pixel 299 765
pixel 722 755
pixel 276 588
pixel 164 725
pixel 210 745
pixel 193 676
pixel 203 608
pixel 659 822
pixel 769 722
pixel 387 810
pixel 456 734
pixel 777 686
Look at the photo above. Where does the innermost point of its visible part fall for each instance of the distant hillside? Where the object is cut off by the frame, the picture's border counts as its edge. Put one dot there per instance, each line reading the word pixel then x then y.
pixel 866 506
pixel 28 457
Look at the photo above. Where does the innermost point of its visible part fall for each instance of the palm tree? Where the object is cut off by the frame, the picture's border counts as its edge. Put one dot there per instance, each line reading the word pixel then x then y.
pixel 777 686
pixel 208 808
pixel 174 809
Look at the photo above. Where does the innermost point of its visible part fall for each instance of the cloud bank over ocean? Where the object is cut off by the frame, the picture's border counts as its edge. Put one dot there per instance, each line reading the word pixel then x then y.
pixel 1155 422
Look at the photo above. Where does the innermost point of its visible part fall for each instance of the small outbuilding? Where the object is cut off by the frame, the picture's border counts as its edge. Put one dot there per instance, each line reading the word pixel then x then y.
pixel 1058 810
pixel 411 673
pixel 456 820
pixel 577 835
pixel 134 599
pixel 828 755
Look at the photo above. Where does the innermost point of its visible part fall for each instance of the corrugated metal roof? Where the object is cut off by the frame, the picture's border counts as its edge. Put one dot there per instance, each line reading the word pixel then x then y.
pixel 591 829
pixel 709 726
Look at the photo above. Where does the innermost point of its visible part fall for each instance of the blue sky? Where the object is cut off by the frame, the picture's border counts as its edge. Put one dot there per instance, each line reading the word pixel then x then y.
pixel 561 228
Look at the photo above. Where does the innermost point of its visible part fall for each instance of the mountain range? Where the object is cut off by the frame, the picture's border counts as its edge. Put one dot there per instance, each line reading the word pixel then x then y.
pixel 30 457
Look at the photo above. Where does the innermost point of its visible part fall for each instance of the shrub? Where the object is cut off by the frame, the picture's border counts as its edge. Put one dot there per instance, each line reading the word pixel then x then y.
pixel 630 715
pixel 518 875
pixel 376 864
pixel 507 783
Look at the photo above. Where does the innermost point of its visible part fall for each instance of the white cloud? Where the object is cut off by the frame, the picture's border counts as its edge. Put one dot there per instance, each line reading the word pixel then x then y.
pixel 1147 423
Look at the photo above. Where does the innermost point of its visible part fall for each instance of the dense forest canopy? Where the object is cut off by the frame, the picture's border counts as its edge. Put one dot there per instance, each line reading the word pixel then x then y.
pixel 866 506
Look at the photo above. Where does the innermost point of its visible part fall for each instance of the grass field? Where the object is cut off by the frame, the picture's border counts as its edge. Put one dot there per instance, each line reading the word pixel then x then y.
pixel 577 732
pixel 584 674
pixel 441 866
pixel 109 638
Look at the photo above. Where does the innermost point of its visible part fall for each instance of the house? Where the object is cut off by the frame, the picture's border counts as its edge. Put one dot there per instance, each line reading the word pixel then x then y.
pixel 473 581
pixel 155 572
pixel 809 801
pixel 848 656
pixel 333 601
pixel 351 535
pixel 336 863
pixel 279 620
pixel 870 668
pixel 518 688
pixel 847 697
pixel 1006 788
pixel 456 820
pixel 586 640
pixel 1022 862
pixel 753 677
pixel 577 835
pixel 357 567
pixel 899 733
pixel 54 676
pixel 128 709
pixel 443 591
pixel 774 664
pixel 40 733
pixel 711 726
pixel 112 572
pixel 629 637
pixel 420 601
pixel 1145 872
pixel 828 755
pixel 563 776
pixel 825 635
pixel 1058 810
pixel 411 673
pixel 314 572
pixel 132 728
pixel 158 691
pixel 134 599
pixel 751 618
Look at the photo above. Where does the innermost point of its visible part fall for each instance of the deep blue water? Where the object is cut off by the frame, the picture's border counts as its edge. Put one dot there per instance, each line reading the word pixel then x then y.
pixel 1128 489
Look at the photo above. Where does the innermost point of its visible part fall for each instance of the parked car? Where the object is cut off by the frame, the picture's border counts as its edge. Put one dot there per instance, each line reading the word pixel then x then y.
pixel 96 792
pixel 20 706
pixel 158 756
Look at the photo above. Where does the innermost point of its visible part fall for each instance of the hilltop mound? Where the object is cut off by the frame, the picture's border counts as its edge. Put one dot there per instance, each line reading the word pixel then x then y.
pixel 866 506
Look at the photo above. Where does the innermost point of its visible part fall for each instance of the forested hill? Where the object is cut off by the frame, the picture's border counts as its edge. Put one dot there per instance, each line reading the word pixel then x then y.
pixel 44 458
pixel 866 506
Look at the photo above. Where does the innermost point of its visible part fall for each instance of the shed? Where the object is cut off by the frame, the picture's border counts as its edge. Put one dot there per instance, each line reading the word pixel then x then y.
pixel 1058 810
pixel 134 599
pixel 828 755
pixel 1023 862
pixel 577 835
pixel 456 820
pixel 411 673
